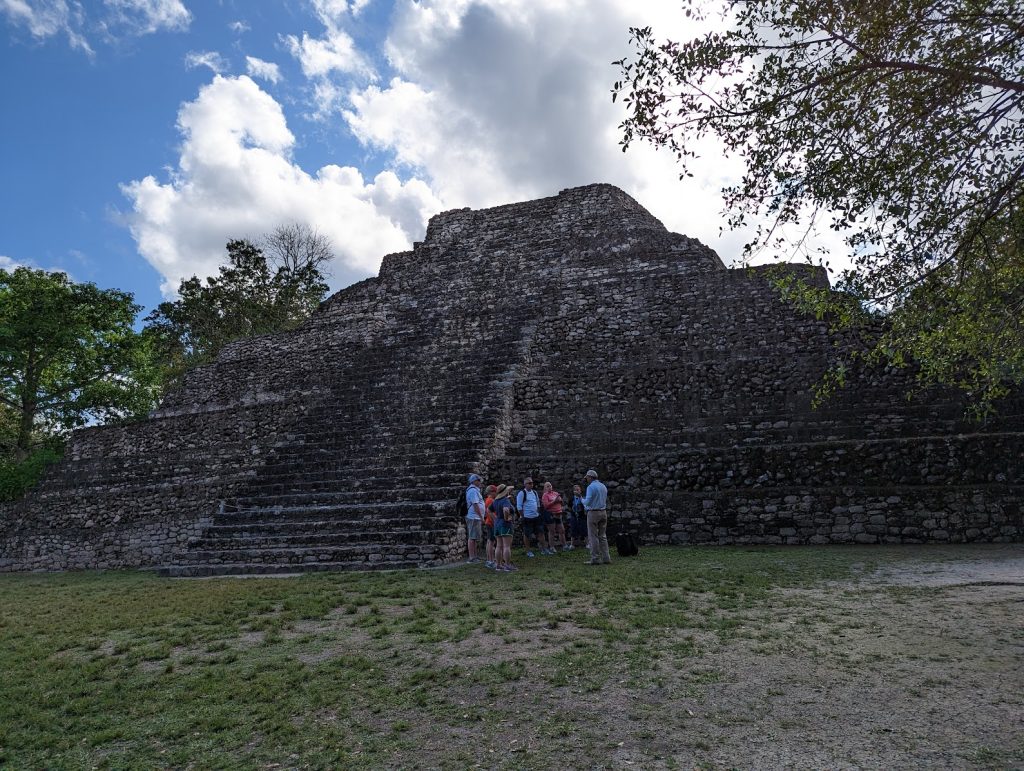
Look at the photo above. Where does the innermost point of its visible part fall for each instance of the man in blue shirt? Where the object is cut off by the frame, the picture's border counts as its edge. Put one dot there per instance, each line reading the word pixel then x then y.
pixel 474 515
pixel 528 503
pixel 595 501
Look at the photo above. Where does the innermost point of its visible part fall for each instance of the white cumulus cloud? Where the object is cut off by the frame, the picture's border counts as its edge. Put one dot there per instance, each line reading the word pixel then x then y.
pixel 258 68
pixel 332 56
pixel 334 53
pixel 496 101
pixel 211 59
pixel 11 264
pixel 45 18
pixel 235 178
pixel 117 18
pixel 332 12
pixel 147 16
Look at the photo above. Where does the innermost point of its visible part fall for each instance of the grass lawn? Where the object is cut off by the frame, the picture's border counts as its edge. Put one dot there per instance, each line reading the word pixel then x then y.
pixel 681 658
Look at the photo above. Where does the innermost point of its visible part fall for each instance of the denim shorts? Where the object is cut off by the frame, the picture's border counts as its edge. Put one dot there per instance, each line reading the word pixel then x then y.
pixel 502 528
pixel 473 529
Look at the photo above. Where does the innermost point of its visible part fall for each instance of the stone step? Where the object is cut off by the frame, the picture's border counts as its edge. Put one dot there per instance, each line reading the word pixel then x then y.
pixel 338 434
pixel 833 464
pixel 306 555
pixel 362 470
pixel 346 480
pixel 356 448
pixel 201 570
pixel 356 402
pixel 343 427
pixel 342 516
pixel 304 536
pixel 671 440
pixel 312 530
pixel 708 404
pixel 383 448
pixel 299 512
pixel 358 464
pixel 337 490
pixel 386 361
pixel 657 415
pixel 101 484
pixel 373 479
pixel 346 391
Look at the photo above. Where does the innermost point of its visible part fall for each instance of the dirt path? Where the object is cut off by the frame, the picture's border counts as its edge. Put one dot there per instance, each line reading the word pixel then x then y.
pixel 916 665
pixel 991 565
pixel 919 665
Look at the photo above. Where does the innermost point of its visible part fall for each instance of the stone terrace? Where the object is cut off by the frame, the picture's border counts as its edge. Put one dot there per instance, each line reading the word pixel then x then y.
pixel 545 337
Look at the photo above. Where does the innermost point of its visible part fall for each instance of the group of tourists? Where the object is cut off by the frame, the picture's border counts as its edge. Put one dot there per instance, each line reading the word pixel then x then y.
pixel 549 522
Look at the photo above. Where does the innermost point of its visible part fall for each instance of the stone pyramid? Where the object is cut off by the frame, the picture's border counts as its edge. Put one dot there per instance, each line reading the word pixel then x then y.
pixel 544 337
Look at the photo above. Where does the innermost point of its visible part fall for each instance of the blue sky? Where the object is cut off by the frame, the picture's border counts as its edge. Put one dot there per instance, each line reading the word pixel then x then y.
pixel 140 135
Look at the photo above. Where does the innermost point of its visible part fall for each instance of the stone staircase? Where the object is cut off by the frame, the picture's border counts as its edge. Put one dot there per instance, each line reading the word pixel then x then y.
pixel 368 480
pixel 341 536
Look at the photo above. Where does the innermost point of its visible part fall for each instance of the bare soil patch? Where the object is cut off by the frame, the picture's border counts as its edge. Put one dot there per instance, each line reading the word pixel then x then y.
pixel 908 666
pixel 750 658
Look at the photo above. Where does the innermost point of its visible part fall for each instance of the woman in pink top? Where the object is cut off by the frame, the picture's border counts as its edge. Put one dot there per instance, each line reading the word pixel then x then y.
pixel 552 503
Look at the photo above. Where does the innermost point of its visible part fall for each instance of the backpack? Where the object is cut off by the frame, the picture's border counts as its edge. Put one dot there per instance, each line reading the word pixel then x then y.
pixel 461 506
pixel 525 497
pixel 625 545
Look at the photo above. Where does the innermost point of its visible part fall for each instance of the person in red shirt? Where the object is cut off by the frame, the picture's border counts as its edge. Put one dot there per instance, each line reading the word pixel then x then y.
pixel 551 500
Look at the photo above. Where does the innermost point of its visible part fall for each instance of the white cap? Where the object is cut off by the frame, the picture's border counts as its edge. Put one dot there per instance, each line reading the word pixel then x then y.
pixel 591 473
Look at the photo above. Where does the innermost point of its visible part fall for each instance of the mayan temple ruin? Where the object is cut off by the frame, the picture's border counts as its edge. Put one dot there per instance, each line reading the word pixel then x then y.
pixel 548 337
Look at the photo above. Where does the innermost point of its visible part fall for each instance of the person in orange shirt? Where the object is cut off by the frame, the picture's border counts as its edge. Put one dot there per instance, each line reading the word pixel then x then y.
pixel 490 541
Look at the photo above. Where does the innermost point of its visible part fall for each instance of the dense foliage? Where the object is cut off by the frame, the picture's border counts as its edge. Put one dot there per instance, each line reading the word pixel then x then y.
pixel 251 295
pixel 68 355
pixel 897 124
pixel 18 476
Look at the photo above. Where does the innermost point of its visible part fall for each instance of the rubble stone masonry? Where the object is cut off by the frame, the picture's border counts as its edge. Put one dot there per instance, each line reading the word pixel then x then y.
pixel 544 337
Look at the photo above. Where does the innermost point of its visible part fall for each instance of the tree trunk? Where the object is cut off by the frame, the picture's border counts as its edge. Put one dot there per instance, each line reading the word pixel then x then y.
pixel 25 425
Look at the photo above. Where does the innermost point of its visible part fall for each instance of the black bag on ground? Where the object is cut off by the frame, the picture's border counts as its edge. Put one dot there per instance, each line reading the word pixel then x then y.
pixel 625 545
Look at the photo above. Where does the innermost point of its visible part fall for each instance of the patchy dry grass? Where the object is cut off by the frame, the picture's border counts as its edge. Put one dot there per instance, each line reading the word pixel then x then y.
pixel 683 658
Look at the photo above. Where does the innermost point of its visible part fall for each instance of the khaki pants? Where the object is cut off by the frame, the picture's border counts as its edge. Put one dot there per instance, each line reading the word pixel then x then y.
pixel 597 532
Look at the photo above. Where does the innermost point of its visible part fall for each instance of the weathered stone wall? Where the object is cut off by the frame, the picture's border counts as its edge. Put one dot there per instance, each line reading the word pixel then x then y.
pixel 549 336
pixel 693 399
pixel 881 491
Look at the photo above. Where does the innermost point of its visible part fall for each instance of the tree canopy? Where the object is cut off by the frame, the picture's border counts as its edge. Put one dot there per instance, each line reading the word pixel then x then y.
pixel 249 296
pixel 68 355
pixel 899 125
